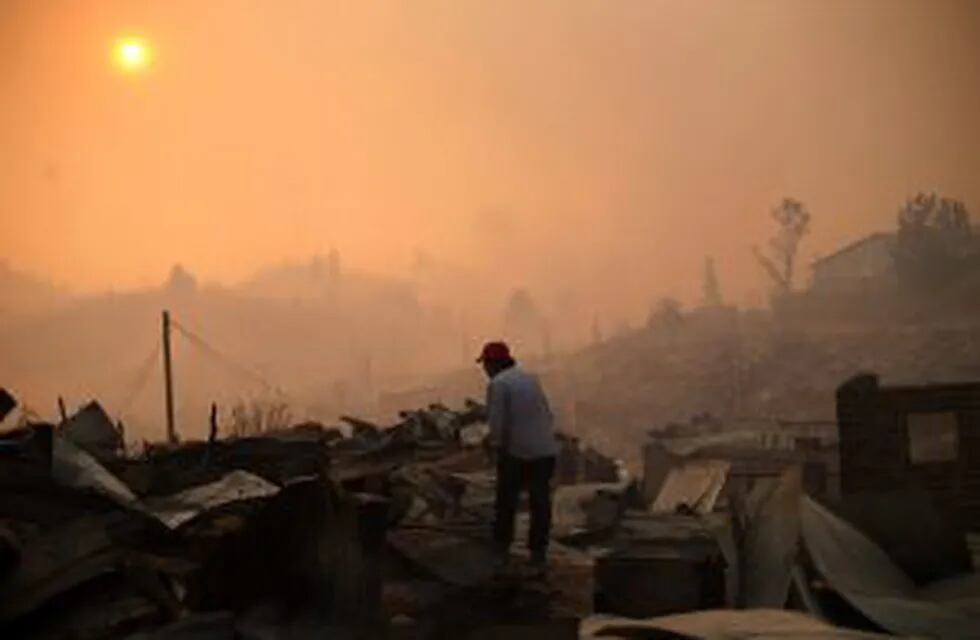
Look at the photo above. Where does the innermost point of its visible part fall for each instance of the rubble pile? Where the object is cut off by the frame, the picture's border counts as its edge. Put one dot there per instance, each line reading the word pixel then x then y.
pixel 367 531
pixel 360 528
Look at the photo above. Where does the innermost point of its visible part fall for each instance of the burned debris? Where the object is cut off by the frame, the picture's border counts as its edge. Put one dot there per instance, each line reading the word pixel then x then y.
pixel 367 530
pixel 288 532
pixel 7 403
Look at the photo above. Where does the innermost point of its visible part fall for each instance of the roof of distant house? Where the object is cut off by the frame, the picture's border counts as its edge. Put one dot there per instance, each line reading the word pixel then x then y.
pixel 857 244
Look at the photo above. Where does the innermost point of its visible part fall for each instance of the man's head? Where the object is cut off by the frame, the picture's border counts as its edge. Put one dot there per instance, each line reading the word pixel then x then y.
pixel 495 357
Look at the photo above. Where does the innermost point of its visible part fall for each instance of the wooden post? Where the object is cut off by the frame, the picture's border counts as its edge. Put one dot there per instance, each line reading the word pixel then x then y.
pixel 213 433
pixel 168 381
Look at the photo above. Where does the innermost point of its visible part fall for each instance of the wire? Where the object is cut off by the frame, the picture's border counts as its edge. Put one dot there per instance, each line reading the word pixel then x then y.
pixel 228 362
pixel 140 379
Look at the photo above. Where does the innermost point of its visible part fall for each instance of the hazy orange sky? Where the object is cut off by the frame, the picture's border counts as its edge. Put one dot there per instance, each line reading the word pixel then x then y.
pixel 607 146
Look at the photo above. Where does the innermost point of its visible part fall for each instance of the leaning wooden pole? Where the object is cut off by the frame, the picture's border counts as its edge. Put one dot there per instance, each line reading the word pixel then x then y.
pixel 168 380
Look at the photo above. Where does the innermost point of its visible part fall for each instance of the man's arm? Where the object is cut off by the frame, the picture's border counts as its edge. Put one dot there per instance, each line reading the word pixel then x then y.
pixel 497 410
pixel 545 404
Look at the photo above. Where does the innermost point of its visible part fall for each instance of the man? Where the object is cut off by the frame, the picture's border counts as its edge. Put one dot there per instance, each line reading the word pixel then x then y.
pixel 521 431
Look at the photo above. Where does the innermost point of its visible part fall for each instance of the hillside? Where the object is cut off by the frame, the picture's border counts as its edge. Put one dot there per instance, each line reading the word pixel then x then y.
pixel 22 294
pixel 323 351
pixel 742 368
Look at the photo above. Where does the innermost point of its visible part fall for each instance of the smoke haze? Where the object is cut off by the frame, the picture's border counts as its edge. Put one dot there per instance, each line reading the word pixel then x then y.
pixel 591 153
pixel 602 147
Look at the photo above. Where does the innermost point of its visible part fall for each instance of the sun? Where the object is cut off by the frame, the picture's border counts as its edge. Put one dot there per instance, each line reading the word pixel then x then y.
pixel 131 54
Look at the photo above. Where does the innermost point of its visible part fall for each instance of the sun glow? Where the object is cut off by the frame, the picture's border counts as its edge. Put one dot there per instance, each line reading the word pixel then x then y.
pixel 131 54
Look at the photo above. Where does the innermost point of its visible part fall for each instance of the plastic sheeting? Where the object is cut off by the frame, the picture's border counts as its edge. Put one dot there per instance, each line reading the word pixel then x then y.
pixel 695 484
pixel 92 430
pixel 73 467
pixel 238 485
pixel 770 541
pixel 866 577
pixel 757 624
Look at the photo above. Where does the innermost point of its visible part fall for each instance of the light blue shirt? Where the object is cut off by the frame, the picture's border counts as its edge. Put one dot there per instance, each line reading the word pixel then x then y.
pixel 520 419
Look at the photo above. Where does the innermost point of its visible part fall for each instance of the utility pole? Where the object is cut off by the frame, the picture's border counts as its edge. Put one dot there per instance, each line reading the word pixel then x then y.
pixel 168 381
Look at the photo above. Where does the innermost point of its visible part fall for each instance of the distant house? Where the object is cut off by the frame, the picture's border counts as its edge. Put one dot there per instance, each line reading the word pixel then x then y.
pixel 854 266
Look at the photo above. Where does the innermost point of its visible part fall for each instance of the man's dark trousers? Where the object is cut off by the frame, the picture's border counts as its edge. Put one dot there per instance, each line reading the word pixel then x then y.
pixel 513 475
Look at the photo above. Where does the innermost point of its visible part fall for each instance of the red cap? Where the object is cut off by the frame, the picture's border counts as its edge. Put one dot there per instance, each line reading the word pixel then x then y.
pixel 494 352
